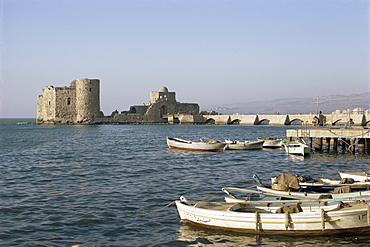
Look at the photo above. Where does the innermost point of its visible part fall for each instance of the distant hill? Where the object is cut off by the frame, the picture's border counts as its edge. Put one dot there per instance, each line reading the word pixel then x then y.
pixel 326 104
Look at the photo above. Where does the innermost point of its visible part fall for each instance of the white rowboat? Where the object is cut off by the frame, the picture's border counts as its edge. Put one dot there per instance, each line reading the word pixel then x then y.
pixel 314 195
pixel 210 146
pixel 270 142
pixel 243 145
pixel 293 220
pixel 297 148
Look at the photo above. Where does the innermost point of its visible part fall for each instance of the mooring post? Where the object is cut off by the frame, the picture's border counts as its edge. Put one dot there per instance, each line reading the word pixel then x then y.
pixel 352 147
pixel 318 144
pixel 335 144
pixel 344 144
pixel 327 140
pixel 367 145
pixel 309 140
pixel 361 146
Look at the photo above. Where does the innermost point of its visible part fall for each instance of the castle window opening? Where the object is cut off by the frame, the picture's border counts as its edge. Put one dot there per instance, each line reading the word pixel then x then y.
pixel 90 89
pixel 49 102
pixel 69 101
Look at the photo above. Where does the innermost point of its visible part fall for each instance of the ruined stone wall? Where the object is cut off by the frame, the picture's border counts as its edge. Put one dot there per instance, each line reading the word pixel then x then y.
pixel 78 103
pixel 65 100
pixel 140 109
pixel 46 105
pixel 187 108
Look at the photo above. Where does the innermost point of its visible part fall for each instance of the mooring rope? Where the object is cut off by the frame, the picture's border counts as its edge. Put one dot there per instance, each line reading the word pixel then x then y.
pixel 169 204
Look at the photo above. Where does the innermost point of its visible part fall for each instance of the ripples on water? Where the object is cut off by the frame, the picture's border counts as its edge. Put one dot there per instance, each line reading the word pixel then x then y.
pixel 68 185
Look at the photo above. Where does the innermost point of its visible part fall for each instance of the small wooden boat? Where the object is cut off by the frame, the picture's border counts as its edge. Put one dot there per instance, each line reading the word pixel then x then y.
pixel 297 148
pixel 271 142
pixel 307 182
pixel 328 183
pixel 283 219
pixel 210 146
pixel 253 196
pixel 357 176
pixel 287 185
pixel 243 145
pixel 313 192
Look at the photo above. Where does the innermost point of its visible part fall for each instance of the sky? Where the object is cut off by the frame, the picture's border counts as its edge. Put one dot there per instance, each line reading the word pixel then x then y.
pixel 210 52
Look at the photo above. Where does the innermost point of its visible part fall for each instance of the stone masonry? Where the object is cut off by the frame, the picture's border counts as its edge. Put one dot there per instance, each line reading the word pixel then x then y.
pixel 78 103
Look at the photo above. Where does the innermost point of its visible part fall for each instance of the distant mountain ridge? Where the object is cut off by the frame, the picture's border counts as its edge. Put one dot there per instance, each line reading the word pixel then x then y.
pixel 326 104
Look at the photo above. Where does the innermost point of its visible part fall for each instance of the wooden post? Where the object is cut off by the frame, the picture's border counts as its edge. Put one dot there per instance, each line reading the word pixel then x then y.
pixel 335 144
pixel 310 142
pixel 367 145
pixel 344 144
pixel 327 140
pixel 318 144
pixel 352 148
pixel 361 146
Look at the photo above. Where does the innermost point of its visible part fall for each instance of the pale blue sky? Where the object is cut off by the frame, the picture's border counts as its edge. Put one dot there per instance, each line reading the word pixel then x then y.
pixel 212 52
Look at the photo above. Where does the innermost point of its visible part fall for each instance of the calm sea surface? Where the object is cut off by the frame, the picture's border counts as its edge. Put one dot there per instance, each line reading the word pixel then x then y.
pixel 69 185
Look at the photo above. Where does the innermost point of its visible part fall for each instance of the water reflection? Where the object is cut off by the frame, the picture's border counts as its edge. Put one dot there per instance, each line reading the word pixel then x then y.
pixel 194 235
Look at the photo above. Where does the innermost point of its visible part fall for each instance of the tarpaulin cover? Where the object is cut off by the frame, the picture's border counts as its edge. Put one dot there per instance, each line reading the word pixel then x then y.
pixel 342 189
pixel 290 209
pixel 287 180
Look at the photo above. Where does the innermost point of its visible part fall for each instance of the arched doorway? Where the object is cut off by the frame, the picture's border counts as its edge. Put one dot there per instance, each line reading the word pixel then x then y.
pixel 163 110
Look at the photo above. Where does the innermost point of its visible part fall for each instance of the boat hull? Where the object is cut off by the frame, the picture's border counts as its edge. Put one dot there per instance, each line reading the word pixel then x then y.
pixel 357 176
pixel 271 142
pixel 304 223
pixel 318 195
pixel 245 145
pixel 297 149
pixel 196 146
pixel 327 183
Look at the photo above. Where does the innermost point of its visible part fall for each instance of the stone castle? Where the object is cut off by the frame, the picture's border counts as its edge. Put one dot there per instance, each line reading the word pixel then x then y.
pixel 80 103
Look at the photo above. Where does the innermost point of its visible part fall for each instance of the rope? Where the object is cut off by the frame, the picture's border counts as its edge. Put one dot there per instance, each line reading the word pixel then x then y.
pixel 257 220
pixel 287 221
pixel 169 204
pixel 216 192
pixel 322 219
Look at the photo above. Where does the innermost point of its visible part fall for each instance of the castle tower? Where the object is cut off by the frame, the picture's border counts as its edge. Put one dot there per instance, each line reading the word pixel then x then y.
pixel 46 105
pixel 87 99
pixel 162 94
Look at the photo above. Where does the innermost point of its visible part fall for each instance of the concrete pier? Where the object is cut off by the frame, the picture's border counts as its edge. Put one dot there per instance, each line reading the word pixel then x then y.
pixel 327 139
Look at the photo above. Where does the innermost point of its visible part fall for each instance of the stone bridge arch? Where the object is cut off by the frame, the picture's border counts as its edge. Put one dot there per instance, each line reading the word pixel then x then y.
pixel 273 119
pixel 297 121
pixel 218 119
pixel 264 121
pixel 210 121
pixel 235 121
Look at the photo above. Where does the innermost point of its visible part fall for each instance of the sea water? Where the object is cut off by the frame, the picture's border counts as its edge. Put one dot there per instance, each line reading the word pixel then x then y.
pixel 65 185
